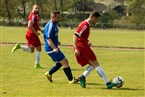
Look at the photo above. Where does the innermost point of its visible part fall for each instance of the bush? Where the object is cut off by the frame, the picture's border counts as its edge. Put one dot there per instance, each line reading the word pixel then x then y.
pixel 71 25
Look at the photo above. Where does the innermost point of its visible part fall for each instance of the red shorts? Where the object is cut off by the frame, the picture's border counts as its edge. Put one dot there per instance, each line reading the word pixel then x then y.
pixel 86 55
pixel 32 40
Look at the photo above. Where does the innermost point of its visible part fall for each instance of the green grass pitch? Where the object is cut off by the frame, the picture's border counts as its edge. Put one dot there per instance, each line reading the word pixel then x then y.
pixel 19 78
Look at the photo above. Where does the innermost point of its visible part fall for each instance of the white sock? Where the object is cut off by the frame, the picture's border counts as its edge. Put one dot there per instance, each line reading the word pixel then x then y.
pixel 88 70
pixel 102 74
pixel 25 48
pixel 37 57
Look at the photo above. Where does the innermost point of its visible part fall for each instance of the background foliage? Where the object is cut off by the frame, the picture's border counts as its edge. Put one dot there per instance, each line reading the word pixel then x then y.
pixel 15 12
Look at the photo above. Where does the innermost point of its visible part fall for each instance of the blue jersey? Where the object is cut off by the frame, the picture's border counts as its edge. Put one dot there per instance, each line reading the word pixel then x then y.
pixel 50 32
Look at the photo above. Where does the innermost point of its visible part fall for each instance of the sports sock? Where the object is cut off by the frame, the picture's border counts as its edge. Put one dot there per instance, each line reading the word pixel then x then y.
pixel 25 48
pixel 88 70
pixel 102 74
pixel 54 68
pixel 37 57
pixel 68 73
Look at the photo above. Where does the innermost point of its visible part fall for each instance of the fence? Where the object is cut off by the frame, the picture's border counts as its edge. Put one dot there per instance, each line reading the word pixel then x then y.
pixel 75 24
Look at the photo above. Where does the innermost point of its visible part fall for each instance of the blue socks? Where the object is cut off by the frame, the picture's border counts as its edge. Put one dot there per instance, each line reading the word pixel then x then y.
pixel 68 73
pixel 54 68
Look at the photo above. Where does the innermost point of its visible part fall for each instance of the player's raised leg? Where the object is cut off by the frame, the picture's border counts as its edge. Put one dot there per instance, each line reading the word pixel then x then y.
pixel 17 46
pixel 24 48
pixel 30 50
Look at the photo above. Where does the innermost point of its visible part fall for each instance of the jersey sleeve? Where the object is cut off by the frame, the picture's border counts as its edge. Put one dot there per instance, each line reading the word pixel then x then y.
pixel 31 17
pixel 49 31
pixel 82 27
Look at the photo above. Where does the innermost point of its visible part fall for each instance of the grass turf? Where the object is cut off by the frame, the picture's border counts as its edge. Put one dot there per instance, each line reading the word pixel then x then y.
pixel 113 38
pixel 20 79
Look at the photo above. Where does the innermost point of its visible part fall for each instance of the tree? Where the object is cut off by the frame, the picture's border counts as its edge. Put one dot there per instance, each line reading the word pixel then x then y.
pixel 54 4
pixel 7 9
pixel 24 8
pixel 61 5
pixel 137 9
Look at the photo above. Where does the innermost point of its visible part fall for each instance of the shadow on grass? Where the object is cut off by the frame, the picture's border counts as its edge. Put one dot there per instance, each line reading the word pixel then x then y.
pixel 93 84
pixel 124 89
pixel 132 89
pixel 128 89
pixel 77 69
pixel 62 69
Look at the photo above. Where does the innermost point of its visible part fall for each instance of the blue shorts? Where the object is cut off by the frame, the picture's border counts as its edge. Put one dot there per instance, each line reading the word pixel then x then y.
pixel 57 56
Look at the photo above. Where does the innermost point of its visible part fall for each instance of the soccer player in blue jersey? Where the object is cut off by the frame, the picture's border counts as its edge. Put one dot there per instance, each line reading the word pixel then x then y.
pixel 51 43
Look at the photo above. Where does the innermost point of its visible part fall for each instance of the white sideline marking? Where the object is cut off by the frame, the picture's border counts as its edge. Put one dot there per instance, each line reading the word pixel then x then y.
pixel 36 81
pixel 125 71
pixel 23 83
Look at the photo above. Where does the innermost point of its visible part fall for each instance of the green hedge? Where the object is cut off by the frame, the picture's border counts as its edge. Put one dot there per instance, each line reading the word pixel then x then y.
pixel 75 24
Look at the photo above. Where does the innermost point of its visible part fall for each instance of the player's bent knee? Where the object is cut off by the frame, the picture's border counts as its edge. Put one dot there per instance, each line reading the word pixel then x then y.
pixel 64 62
pixel 38 49
pixel 32 51
pixel 94 63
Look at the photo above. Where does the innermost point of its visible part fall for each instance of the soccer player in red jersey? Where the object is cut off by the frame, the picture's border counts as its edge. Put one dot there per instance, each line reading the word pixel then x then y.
pixel 84 54
pixel 32 34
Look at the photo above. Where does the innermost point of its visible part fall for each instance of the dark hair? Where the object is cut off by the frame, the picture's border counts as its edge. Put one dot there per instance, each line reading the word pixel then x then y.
pixel 94 14
pixel 55 13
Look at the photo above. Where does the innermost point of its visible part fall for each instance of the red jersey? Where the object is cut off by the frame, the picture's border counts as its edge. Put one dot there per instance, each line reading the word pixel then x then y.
pixel 86 53
pixel 35 18
pixel 83 32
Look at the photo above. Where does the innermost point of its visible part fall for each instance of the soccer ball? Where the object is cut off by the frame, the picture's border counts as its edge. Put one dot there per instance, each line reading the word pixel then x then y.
pixel 119 80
